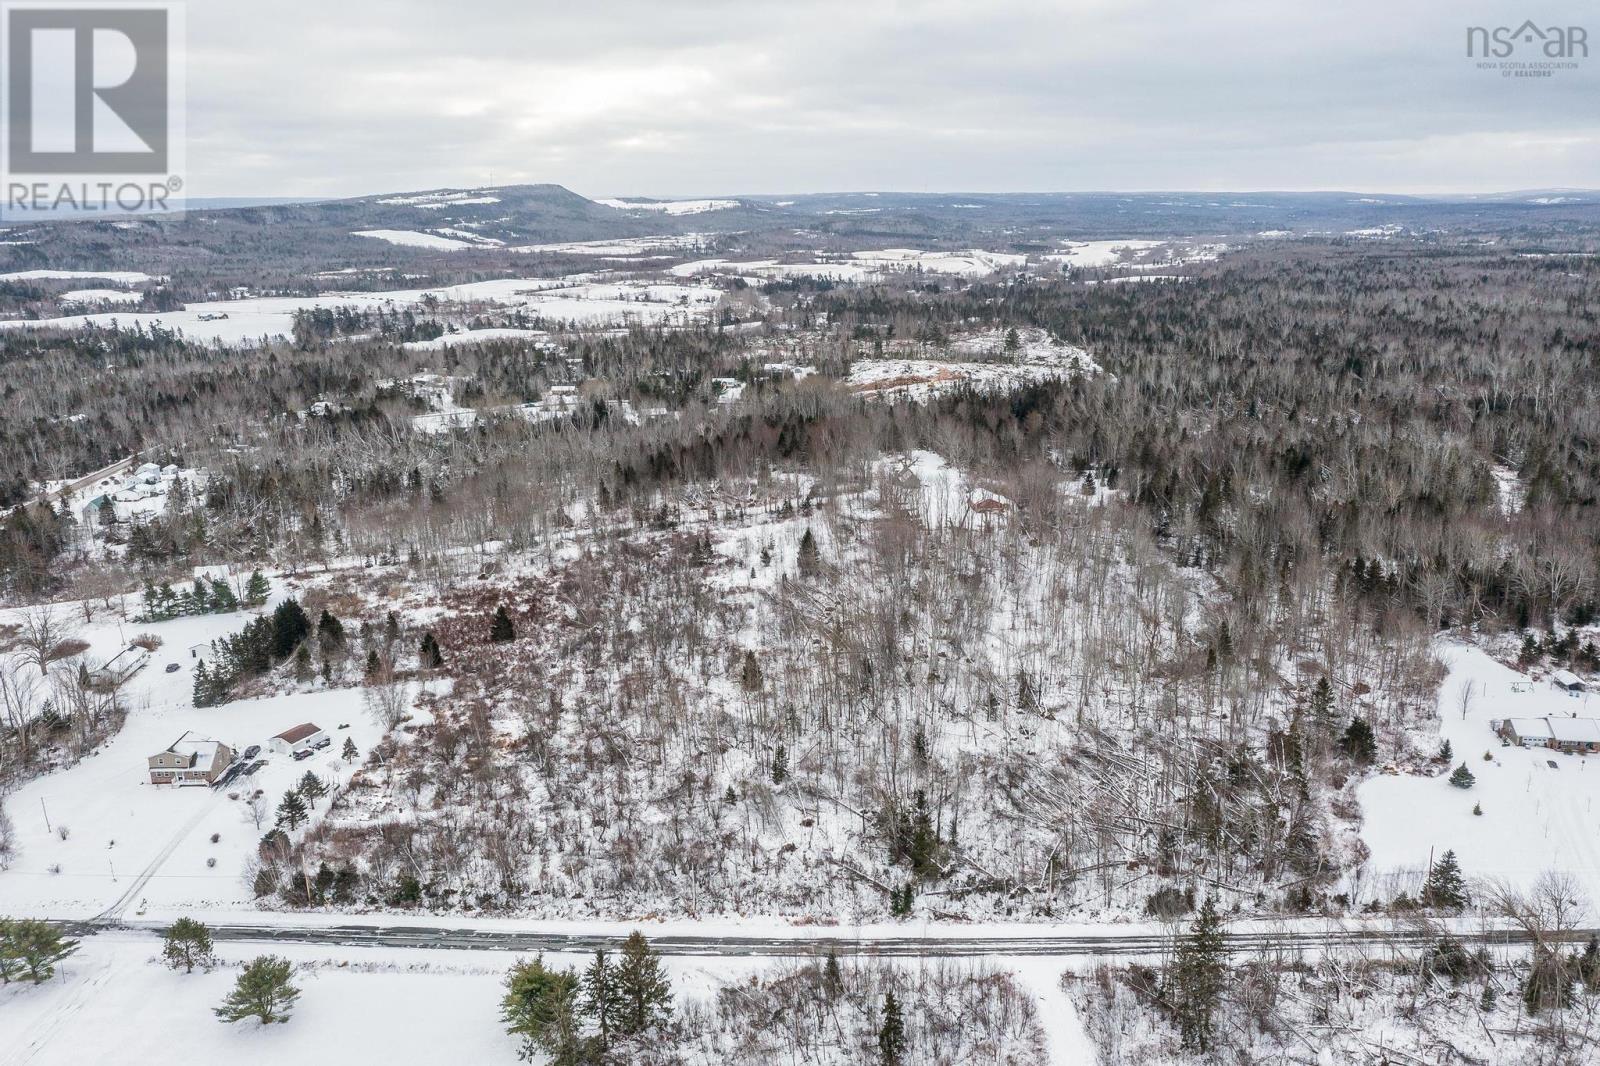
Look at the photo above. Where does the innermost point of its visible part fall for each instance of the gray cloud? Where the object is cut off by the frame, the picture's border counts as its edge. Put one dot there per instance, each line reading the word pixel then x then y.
pixel 705 96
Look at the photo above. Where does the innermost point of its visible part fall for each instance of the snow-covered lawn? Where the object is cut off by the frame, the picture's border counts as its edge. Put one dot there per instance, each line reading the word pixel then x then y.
pixel 1539 806
pixel 116 277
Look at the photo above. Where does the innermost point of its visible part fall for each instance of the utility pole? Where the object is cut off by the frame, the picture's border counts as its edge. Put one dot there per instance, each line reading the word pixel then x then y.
pixel 46 811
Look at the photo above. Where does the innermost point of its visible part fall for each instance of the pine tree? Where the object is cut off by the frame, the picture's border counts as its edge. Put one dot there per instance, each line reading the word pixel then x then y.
pixel 643 986
pixel 1321 708
pixel 330 632
pixel 892 1033
pixel 290 626
pixel 750 678
pixel 780 765
pixel 32 947
pixel 205 690
pixel 292 811
pixel 1445 752
pixel 187 944
pixel 601 996
pixel 1462 778
pixel 1198 976
pixel 832 976
pixel 1445 887
pixel 1358 742
pixel 808 558
pixel 348 753
pixel 311 787
pixel 501 631
pixel 539 1006
pixel 263 991
pixel 429 654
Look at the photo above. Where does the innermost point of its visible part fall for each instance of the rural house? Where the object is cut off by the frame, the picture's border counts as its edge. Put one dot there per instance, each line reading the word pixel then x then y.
pixel 1563 734
pixel 190 760
pixel 304 735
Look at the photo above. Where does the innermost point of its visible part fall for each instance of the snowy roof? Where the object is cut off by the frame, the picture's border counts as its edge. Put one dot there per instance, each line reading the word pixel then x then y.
pixel 1530 727
pixel 1575 730
pixel 202 751
pixel 1566 678
pixel 298 733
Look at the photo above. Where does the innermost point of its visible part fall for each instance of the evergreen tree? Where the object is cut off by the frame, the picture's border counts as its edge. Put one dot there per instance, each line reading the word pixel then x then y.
pixel 1358 742
pixel 1445 752
pixel 832 976
pixel 1321 709
pixel 1462 778
pixel 429 654
pixel 312 788
pixel 348 753
pixel 780 765
pixel 32 948
pixel 808 558
pixel 645 991
pixel 1198 975
pixel 1445 887
pixel 292 811
pixel 290 626
pixel 892 1033
pixel 501 631
pixel 601 996
pixel 302 663
pixel 187 944
pixel 205 689
pixel 263 991
pixel 750 678
pixel 539 1006
pixel 330 632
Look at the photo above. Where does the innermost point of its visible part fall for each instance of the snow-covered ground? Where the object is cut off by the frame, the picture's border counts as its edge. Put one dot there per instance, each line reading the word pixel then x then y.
pixel 116 277
pixel 415 239
pixel 1540 809
pixel 435 201
pixel 577 298
pixel 115 1002
pixel 1037 358
pixel 670 207
pixel 87 836
pixel 100 296
pixel 859 266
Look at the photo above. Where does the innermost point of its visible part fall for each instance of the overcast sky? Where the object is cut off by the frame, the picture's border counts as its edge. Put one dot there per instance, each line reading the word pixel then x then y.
pixel 686 97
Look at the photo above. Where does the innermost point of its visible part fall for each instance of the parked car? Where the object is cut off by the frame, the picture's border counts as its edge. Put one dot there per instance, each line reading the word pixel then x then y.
pixel 173 668
pixel 324 742
pixel 252 751
pixel 303 753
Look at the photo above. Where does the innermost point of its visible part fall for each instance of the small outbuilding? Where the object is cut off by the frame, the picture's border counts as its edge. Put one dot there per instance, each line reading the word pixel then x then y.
pixel 304 735
pixel 1567 681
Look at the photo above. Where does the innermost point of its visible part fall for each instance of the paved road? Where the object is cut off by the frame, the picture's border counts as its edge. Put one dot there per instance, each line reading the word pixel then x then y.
pixel 1110 942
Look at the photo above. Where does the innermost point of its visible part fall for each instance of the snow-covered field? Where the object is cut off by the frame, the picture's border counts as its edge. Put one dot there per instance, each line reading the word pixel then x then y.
pixel 860 266
pixel 670 207
pixel 578 298
pixel 1540 809
pixel 115 1002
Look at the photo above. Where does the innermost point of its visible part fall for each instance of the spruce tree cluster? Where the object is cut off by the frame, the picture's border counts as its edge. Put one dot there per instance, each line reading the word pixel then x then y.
pixel 573 1019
